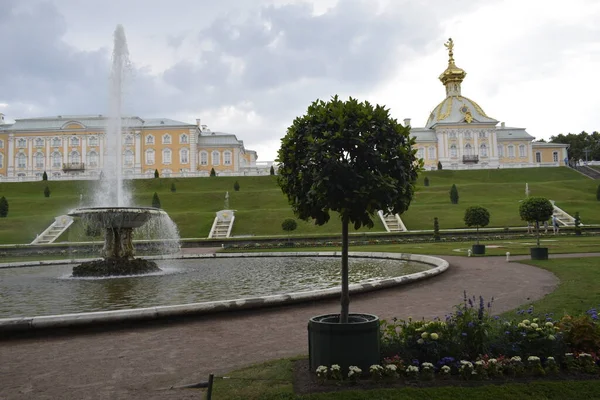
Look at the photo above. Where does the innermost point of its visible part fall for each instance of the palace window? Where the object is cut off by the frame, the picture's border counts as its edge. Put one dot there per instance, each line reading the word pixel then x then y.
pixel 56 142
pixel 216 158
pixel 166 156
pixel 92 159
pixel 500 150
pixel 452 135
pixel 149 139
pixel 1 144
pixel 420 153
pixel 93 141
pixel 74 157
pixel 203 158
pixel 511 151
pixel 22 142
pixel 431 154
pixel 166 139
pixel 522 150
pixel 227 158
pixel 183 139
pixel 128 158
pixel 56 159
pixel 467 135
pixel 128 140
pixel 538 157
pixel 468 150
pixel 482 134
pixel 21 160
pixel 453 152
pixel 74 141
pixel 39 160
pixel 150 157
pixel 555 156
pixel 184 156
pixel 1 161
pixel 39 142
pixel 483 150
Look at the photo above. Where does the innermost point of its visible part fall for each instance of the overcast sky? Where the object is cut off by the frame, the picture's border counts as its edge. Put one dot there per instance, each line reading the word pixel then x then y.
pixel 250 67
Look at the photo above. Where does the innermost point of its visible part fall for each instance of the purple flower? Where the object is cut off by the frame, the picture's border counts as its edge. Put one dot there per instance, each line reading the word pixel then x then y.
pixel 471 324
pixel 464 334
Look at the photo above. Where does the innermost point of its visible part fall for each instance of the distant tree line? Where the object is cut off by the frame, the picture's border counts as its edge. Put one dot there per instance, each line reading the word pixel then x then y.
pixel 579 143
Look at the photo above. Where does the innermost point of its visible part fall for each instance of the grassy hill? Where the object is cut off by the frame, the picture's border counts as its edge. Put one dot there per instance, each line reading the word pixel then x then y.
pixel 261 207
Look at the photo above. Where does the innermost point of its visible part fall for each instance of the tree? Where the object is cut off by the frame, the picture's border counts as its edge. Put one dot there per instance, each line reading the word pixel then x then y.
pixel 351 158
pixel 155 201
pixel 3 207
pixel 45 176
pixel 536 209
pixel 289 225
pixel 173 188
pixel 436 229
pixel 439 165
pixel 212 172
pixel 46 191
pixel 272 171
pixel 454 194
pixel 236 186
pixel 477 216
pixel 426 181
pixel 156 175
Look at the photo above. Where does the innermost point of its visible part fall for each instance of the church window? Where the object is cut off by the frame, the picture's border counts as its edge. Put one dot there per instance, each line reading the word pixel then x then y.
pixel 39 160
pixel 227 158
pixel 128 158
pixel 21 160
pixel 431 154
pixel 22 143
pixel 511 151
pixel 453 152
pixel 203 158
pixel 483 150
pixel 184 156
pixel 166 156
pixel 555 156
pixel 150 157
pixel 216 158
pixel 522 150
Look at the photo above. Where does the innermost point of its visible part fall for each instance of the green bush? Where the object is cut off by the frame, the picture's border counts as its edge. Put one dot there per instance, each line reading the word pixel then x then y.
pixel 426 181
pixel 436 229
pixel 46 191
pixel 156 175
pixel 212 172
pixel 45 176
pixel 477 216
pixel 155 201
pixel 598 193
pixel 536 210
pixel 439 166
pixel 289 225
pixel 272 172
pixel 173 188
pixel 236 186
pixel 454 194
pixel 3 207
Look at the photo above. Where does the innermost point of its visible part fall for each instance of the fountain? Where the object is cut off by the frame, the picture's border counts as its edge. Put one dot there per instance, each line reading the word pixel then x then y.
pixel 116 220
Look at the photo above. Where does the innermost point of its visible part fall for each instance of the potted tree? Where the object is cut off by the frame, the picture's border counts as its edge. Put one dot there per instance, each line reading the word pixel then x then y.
pixel 354 159
pixel 477 216
pixel 536 210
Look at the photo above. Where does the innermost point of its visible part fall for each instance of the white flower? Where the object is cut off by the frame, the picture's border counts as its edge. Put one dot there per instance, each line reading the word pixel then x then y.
pixel 479 362
pixel 412 369
pixel 434 336
pixel 492 361
pixel 533 358
pixel 526 321
pixel 424 335
pixel 516 359
pixel 584 355
pixel 335 367
pixel 321 369
pixel 550 358
pixel 427 365
pixel 551 337
pixel 534 325
pixel 521 325
pixel 375 368
pixel 446 369
pixel 549 324
pixel 391 367
pixel 420 341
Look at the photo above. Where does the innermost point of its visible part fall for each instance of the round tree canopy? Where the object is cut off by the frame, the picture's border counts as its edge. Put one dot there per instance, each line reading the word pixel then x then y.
pixel 348 157
pixel 535 209
pixel 477 216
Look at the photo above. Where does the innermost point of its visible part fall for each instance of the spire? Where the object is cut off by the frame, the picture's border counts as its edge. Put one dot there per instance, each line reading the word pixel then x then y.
pixel 452 76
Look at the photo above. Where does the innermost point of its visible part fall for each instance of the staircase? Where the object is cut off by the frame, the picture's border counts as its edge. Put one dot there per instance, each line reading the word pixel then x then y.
pixel 222 224
pixel 563 218
pixel 60 224
pixel 588 171
pixel 392 222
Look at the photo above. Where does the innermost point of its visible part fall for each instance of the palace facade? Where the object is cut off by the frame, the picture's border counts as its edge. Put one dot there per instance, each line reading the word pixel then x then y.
pixel 74 147
pixel 460 135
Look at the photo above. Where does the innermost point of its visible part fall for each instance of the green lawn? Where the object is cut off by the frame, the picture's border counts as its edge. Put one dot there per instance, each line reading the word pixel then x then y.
pixel 261 207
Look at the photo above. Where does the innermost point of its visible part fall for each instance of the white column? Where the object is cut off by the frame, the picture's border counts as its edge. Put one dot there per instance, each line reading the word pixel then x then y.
pixel 30 156
pixel 65 150
pixel 101 151
pixel 193 150
pixel 84 150
pixel 460 145
pixel 11 155
pixel 48 165
pixel 138 153
pixel 475 142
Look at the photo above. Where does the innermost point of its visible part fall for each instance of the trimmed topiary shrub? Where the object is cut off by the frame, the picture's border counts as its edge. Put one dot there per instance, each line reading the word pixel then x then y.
pixel 477 216
pixel 46 191
pixel 289 225
pixel 439 165
pixel 3 207
pixel 45 176
pixel 236 186
pixel 272 172
pixel 155 201
pixel 436 229
pixel 213 172
pixel 536 209
pixel 426 181
pixel 173 188
pixel 454 194
pixel 156 175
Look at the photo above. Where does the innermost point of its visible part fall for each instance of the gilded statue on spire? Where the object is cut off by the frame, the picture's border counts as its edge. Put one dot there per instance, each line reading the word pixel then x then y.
pixel 450 46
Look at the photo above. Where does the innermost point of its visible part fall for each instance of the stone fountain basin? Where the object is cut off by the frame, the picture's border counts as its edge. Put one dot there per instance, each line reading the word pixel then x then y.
pixel 121 217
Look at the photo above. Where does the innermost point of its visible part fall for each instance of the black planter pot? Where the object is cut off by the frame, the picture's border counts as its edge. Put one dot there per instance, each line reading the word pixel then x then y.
pixel 353 343
pixel 539 253
pixel 478 249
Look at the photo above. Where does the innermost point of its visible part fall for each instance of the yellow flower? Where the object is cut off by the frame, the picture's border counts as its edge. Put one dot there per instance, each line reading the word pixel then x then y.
pixel 549 324
pixel 434 336
pixel 551 337
pixel 424 335
pixel 534 325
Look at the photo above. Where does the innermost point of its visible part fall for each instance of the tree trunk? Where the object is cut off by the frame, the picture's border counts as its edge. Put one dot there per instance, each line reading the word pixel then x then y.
pixel 537 232
pixel 345 300
pixel 477 234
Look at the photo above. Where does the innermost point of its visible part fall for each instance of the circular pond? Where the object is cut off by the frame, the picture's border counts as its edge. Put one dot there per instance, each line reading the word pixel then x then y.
pixel 50 289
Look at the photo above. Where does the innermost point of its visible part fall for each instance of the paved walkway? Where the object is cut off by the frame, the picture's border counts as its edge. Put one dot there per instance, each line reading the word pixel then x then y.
pixel 143 363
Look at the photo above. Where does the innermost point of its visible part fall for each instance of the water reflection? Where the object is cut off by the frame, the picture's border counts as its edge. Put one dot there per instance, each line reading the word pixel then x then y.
pixel 47 290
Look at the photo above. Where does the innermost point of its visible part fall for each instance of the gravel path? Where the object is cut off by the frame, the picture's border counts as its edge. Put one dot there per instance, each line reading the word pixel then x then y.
pixel 145 361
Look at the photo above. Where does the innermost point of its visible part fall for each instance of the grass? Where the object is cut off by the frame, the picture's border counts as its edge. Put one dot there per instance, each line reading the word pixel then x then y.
pixel 576 293
pixel 261 207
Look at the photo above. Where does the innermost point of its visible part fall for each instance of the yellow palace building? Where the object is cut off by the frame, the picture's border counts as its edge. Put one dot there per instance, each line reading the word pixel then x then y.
pixel 73 147
pixel 460 135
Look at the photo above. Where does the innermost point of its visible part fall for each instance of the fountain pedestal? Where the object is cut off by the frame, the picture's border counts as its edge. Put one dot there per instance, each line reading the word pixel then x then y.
pixel 118 251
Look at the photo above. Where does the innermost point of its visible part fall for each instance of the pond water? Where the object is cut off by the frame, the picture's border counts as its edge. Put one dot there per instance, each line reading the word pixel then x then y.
pixel 50 290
